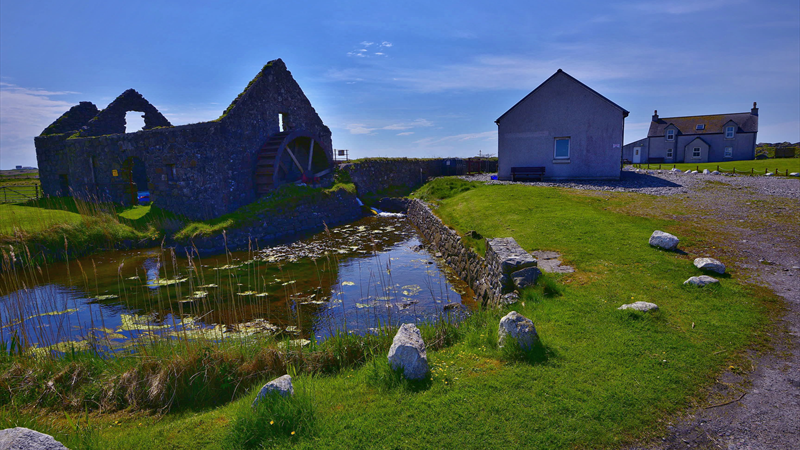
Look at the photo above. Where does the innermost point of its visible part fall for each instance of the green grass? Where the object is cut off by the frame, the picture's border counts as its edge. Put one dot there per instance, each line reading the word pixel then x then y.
pixel 758 167
pixel 602 378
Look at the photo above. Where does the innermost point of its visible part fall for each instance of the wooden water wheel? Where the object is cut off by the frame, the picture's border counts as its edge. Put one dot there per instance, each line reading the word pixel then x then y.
pixel 290 157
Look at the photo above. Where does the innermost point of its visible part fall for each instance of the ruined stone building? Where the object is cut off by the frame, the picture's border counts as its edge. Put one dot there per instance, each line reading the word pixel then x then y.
pixel 268 136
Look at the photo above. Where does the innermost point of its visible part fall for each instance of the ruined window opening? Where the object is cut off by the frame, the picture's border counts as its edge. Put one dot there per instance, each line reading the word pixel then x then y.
pixel 134 121
pixel 282 125
pixel 170 171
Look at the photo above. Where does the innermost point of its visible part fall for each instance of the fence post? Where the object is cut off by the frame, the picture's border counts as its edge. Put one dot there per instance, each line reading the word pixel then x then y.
pixel 752 171
pixel 36 186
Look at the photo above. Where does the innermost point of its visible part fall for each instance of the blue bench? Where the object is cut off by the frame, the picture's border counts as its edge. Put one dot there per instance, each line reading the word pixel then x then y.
pixel 526 172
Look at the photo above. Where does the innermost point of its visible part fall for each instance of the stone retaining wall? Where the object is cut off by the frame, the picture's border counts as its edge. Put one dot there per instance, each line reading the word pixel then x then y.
pixel 484 275
pixel 283 223
pixel 381 174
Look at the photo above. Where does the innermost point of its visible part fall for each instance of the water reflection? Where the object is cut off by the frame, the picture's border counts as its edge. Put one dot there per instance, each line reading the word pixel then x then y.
pixel 349 279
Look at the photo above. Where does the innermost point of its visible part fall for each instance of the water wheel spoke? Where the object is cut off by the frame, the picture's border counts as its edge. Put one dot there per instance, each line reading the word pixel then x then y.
pixel 310 154
pixel 299 166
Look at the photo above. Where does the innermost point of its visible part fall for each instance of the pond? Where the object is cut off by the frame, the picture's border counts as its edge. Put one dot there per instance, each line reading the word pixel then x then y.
pixel 349 279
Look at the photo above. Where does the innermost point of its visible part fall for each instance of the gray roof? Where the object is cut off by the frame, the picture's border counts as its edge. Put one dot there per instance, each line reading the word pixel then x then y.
pixel 559 71
pixel 714 124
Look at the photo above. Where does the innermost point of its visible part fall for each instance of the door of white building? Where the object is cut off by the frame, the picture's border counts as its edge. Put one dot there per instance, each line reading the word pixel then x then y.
pixel 637 155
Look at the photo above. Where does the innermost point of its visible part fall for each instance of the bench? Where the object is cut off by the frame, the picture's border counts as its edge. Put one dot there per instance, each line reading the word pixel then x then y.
pixel 655 160
pixel 517 172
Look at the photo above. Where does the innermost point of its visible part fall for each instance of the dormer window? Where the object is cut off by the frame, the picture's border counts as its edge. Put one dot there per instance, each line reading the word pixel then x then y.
pixel 700 127
pixel 730 132
pixel 670 135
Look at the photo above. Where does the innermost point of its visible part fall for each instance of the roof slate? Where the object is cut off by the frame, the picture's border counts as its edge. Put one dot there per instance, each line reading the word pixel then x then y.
pixel 747 122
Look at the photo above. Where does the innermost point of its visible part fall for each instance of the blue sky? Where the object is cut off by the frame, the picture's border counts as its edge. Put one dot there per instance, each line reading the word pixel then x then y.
pixel 408 78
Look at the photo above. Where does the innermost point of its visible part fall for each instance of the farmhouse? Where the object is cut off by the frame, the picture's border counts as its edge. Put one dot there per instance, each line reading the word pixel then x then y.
pixel 697 139
pixel 563 129
pixel 268 136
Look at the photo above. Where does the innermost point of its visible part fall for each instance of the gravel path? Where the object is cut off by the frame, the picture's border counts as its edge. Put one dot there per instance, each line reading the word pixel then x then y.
pixel 665 182
pixel 757 219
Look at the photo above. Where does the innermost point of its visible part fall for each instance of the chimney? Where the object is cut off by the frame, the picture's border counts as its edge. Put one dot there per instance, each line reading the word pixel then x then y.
pixel 754 111
pixel 655 116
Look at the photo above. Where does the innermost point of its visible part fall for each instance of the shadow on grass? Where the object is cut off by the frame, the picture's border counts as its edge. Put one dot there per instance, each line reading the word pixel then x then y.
pixel 538 354
pixel 379 374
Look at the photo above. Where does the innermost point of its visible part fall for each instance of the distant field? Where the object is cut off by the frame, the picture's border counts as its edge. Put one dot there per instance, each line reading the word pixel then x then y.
pixel 756 167
pixel 19 185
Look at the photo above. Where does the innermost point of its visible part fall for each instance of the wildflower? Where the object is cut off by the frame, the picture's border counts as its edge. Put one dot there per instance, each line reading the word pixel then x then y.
pixel 271 422
pixel 292 433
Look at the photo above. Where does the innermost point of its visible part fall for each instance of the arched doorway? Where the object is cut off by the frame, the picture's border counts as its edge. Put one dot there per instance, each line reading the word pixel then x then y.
pixel 134 176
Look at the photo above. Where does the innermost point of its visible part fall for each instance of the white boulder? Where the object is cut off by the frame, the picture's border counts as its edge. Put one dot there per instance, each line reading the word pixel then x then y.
pixel 694 171
pixel 688 171
pixel 709 264
pixel 794 174
pixel 408 352
pixel 663 240
pixel 716 172
pixel 21 438
pixel 769 174
pixel 706 171
pixel 640 306
pixel 701 281
pixel 281 385
pixel 518 327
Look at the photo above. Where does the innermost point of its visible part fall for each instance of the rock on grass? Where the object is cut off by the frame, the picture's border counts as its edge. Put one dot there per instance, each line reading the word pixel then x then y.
pixel 408 352
pixel 281 385
pixel 709 264
pixel 701 281
pixel 518 327
pixel 640 306
pixel 663 240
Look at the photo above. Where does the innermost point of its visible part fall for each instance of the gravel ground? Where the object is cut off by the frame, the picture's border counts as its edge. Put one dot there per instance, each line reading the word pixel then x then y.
pixel 758 217
pixel 665 182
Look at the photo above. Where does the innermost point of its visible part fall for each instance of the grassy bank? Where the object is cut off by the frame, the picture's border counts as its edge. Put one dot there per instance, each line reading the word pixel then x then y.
pixel 601 379
pixel 755 167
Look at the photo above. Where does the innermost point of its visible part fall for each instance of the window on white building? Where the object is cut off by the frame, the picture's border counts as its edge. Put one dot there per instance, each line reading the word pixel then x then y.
pixel 670 135
pixel 729 152
pixel 669 153
pixel 696 152
pixel 562 148
pixel 729 132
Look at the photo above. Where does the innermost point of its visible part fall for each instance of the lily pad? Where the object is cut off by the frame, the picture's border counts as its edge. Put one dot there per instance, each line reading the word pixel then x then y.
pixel 166 282
pixel 134 322
pixel 245 293
pixel 106 297
pixel 348 283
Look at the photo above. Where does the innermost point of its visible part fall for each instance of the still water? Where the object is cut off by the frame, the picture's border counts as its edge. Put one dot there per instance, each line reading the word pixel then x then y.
pixel 349 279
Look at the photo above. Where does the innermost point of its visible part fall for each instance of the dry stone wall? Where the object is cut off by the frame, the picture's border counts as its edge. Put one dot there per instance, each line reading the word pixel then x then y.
pixel 484 275
pixel 498 273
pixel 378 175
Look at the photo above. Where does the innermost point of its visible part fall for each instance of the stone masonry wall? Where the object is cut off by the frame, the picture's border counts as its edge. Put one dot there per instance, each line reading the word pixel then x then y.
pixel 379 174
pixel 484 275
pixel 201 171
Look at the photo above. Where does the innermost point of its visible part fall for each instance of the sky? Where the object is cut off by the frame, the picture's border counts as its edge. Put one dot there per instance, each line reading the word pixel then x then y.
pixel 400 79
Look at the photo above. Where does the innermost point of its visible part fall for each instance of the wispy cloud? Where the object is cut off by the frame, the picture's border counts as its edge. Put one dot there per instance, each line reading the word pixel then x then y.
pixel 405 133
pixel 488 136
pixel 681 6
pixel 361 128
pixel 24 113
pixel 367 49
